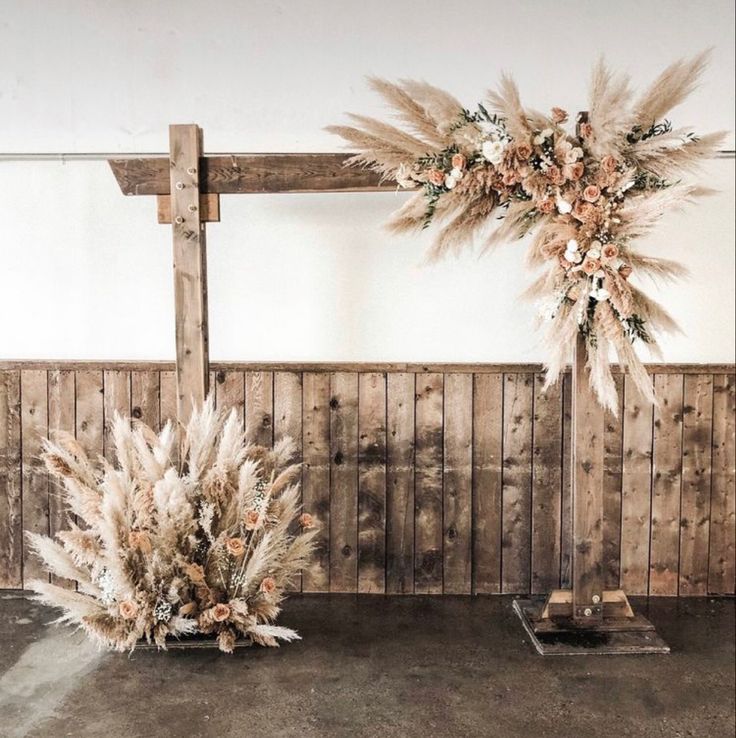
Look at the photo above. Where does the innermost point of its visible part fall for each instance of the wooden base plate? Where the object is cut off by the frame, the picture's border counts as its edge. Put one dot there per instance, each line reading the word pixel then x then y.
pixel 633 636
pixel 185 644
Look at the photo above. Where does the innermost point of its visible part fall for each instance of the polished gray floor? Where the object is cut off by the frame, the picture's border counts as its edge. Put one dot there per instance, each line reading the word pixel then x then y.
pixel 373 666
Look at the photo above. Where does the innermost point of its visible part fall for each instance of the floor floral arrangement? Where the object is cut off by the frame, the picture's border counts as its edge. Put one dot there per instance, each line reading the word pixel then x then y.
pixel 166 550
pixel 585 196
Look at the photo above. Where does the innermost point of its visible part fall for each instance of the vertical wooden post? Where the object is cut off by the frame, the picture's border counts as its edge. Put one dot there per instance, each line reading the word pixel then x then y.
pixel 587 494
pixel 190 269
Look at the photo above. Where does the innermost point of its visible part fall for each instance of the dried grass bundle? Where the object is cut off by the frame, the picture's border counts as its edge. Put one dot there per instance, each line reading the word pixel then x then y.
pixel 164 551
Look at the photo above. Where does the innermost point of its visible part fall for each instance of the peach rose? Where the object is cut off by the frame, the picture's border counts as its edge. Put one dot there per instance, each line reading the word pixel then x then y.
pixel 591 193
pixel 195 572
pixel 523 151
pixel 436 177
pixel 546 206
pixel 458 161
pixel 128 609
pixel 140 540
pixel 609 164
pixel 220 612
pixel 559 115
pixel 591 266
pixel 268 585
pixel 555 175
pixel 586 130
pixel 252 519
pixel 625 271
pixel 234 546
pixel 306 520
pixel 610 251
pixel 574 171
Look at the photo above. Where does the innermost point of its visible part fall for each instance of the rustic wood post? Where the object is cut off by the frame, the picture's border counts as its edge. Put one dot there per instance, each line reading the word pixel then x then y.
pixel 190 269
pixel 587 493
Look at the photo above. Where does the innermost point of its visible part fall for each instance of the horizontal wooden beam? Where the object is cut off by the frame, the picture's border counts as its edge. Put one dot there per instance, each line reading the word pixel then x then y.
pixel 251 173
pixel 340 366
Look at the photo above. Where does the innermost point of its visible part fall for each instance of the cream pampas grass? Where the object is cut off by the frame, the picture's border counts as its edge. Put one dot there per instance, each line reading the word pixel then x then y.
pixel 162 550
pixel 504 171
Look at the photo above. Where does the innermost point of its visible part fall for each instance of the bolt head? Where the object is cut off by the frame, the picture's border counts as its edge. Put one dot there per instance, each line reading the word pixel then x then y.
pixel 180 185
pixel 191 171
pixel 192 208
pixel 596 599
pixel 587 612
pixel 178 219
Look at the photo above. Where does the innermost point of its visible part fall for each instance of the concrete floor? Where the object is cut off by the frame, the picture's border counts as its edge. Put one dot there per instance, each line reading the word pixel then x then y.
pixel 373 666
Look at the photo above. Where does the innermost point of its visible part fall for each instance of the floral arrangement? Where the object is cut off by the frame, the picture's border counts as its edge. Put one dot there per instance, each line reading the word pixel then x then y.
pixel 162 550
pixel 585 195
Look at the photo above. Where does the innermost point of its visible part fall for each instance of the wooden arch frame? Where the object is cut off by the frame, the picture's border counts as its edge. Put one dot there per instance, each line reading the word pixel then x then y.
pixel 188 185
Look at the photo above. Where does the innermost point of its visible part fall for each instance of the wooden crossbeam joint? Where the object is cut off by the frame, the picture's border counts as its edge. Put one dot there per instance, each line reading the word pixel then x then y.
pixel 209 208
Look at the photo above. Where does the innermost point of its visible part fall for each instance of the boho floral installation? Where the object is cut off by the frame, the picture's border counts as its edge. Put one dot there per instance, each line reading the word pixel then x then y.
pixel 505 171
pixel 163 550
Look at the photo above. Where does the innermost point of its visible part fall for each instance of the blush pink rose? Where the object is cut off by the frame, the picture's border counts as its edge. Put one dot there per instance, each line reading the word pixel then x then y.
pixel 458 161
pixel 609 164
pixel 610 251
pixel 436 177
pixel 591 193
pixel 559 115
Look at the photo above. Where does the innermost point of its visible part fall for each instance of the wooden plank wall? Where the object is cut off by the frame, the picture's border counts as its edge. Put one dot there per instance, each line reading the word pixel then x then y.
pixel 444 479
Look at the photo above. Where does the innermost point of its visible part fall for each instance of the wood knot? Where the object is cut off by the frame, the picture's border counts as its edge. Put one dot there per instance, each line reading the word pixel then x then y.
pixel 338 459
pixel 346 550
pixel 452 534
pixel 334 403
pixel 220 377
pixel 137 413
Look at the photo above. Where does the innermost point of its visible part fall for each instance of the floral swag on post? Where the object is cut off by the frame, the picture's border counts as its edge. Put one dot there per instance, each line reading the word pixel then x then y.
pixel 585 197
pixel 164 550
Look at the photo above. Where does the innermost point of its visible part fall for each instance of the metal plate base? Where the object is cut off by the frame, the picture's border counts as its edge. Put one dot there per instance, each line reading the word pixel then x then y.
pixel 612 638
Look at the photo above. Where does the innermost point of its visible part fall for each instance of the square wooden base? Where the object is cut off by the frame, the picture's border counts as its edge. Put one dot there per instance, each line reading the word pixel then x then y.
pixel 609 636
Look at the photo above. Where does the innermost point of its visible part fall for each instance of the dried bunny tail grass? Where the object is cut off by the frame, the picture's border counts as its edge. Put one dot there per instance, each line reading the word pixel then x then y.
pixel 459 233
pixel 507 102
pixel 411 112
pixel 440 105
pixel 609 114
pixel 668 90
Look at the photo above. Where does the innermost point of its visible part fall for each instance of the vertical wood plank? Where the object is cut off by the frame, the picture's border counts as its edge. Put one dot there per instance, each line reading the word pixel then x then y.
pixel 34 428
pixel 458 484
pixel 11 525
pixel 429 390
pixel 316 474
pixel 612 474
pixel 61 399
pixel 145 389
pixel 167 403
pixel 546 487
pixel 566 509
pixel 697 436
pixel 372 482
pixel 344 482
pixel 90 412
pixel 487 482
pixel 259 408
pixel 666 485
pixel 722 563
pixel 287 423
pixel 636 487
pixel 190 269
pixel 400 483
pixel 116 400
pixel 518 407
pixel 229 387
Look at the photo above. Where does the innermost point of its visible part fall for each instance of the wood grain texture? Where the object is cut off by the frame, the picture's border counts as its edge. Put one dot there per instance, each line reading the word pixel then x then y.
pixel 316 475
pixel 666 485
pixel 458 484
pixel 344 482
pixel 722 557
pixel 259 408
pixel 429 391
pixel 372 482
pixel 636 486
pixel 697 437
pixel 566 543
pixel 400 483
pixel 11 500
pixel 518 408
pixel 612 480
pixel 190 268
pixel 62 411
pixel 145 397
pixel 34 428
pixel 487 482
pixel 229 389
pixel 546 487
pixel 116 400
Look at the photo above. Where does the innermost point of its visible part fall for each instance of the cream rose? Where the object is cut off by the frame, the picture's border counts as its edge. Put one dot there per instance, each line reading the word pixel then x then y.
pixel 128 609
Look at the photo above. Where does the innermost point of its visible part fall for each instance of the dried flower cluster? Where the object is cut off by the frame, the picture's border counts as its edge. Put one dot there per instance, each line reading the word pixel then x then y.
pixel 165 550
pixel 585 195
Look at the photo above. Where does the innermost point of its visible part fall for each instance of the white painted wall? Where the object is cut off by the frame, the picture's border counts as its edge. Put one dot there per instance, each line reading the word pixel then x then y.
pixel 86 272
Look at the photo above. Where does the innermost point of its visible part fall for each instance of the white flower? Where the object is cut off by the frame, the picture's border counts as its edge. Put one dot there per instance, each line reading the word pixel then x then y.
pixel 563 206
pixel 572 245
pixel 493 151
pixel 594 253
pixel 539 139
pixel 600 274
pixel 600 294
pixel 457 173
pixel 547 133
pixel 578 152
pixel 573 257
pixel 450 181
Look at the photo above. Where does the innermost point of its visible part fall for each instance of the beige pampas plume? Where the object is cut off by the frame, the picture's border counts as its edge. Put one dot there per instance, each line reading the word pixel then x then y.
pixel 506 101
pixel 609 113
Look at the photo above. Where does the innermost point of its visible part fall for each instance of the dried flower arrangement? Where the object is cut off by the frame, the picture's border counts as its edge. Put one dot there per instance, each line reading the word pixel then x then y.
pixel 586 196
pixel 162 550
